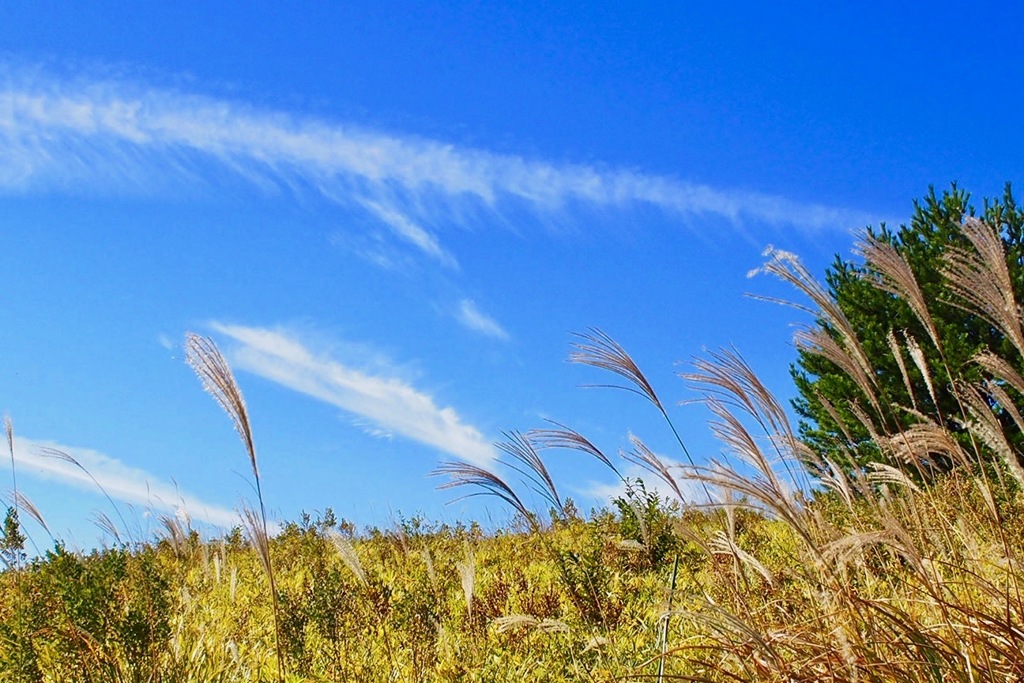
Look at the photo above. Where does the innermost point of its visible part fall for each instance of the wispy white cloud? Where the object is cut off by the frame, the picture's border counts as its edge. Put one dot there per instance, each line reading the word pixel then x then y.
pixel 72 132
pixel 478 321
pixel 411 232
pixel 392 405
pixel 120 481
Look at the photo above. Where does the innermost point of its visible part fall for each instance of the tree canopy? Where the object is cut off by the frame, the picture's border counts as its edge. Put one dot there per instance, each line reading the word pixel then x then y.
pixel 920 351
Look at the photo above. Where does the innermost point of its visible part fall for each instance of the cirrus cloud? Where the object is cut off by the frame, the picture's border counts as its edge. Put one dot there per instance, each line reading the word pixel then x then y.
pixel 474 319
pixel 59 133
pixel 87 468
pixel 389 404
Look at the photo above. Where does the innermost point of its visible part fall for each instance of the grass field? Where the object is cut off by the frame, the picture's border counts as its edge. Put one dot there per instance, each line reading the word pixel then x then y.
pixel 801 570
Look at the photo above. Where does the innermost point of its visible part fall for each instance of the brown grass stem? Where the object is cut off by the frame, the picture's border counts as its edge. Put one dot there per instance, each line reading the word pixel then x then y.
pixel 215 374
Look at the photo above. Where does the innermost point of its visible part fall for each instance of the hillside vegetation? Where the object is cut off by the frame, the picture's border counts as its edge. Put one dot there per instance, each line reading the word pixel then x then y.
pixel 807 564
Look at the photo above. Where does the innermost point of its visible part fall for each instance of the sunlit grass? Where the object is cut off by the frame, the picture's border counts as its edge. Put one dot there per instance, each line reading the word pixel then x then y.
pixel 788 568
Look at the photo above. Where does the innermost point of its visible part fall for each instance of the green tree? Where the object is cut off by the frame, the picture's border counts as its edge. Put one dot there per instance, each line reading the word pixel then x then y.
pixel 12 544
pixel 646 518
pixel 837 417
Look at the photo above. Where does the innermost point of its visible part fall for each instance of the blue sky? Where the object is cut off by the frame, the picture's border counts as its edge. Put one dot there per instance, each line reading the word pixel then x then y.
pixel 392 218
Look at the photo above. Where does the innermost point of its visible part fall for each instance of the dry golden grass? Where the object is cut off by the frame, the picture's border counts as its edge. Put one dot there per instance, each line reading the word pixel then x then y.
pixel 790 568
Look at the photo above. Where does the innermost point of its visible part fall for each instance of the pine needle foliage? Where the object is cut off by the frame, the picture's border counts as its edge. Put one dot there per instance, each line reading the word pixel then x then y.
pixel 946 286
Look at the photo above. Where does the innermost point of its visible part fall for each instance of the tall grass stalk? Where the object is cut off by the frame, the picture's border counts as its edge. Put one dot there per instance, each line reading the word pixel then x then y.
pixel 597 349
pixel 213 371
pixel 18 500
pixel 15 503
pixel 58 454
pixel 467 575
pixel 663 646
